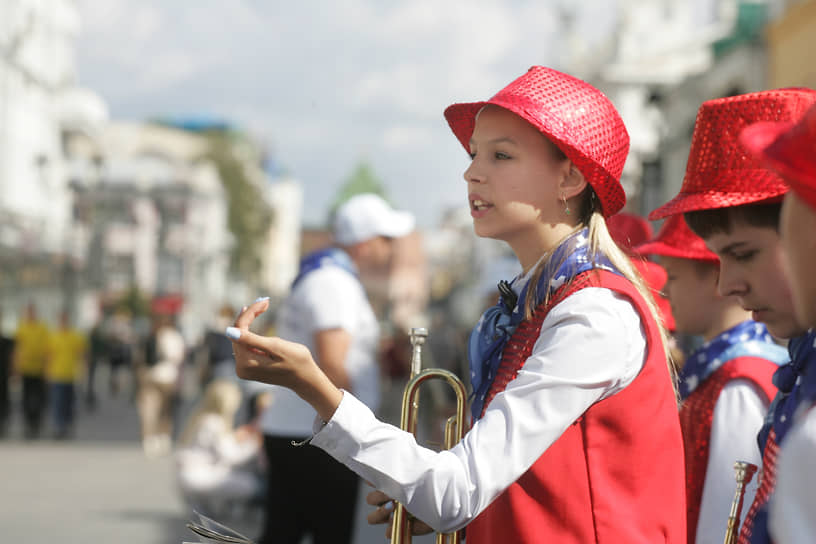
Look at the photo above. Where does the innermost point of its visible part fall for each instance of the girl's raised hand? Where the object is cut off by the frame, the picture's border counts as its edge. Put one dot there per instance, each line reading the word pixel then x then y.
pixel 280 362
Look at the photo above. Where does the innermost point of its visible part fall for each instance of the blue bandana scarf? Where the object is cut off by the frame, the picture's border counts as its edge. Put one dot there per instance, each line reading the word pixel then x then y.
pixel 498 323
pixel 788 379
pixel 325 257
pixel 748 339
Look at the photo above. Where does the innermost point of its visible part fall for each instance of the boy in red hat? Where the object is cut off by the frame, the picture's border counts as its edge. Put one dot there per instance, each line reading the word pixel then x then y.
pixel 725 384
pixel 789 149
pixel 733 202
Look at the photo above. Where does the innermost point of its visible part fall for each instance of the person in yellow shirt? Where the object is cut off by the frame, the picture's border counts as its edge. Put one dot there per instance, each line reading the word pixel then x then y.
pixel 30 355
pixel 67 349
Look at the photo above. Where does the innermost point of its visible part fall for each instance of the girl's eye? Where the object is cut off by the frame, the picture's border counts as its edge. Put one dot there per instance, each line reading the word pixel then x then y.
pixel 502 156
pixel 472 155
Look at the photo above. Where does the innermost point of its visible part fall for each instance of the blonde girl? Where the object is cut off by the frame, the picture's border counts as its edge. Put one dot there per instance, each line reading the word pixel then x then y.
pixel 575 434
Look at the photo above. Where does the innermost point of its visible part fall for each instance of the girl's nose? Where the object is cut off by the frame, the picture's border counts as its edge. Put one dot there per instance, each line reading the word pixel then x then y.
pixel 471 174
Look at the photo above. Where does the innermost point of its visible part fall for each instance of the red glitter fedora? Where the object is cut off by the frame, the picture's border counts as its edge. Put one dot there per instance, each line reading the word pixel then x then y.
pixel 790 149
pixel 655 277
pixel 629 230
pixel 719 172
pixel 676 239
pixel 578 118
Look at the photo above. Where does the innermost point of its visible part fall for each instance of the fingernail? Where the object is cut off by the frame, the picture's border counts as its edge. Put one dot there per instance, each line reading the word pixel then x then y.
pixel 233 332
pixel 260 299
pixel 388 506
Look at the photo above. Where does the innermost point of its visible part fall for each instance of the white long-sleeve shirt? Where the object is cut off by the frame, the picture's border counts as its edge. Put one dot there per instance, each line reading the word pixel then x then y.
pixel 792 507
pixel 591 346
pixel 738 415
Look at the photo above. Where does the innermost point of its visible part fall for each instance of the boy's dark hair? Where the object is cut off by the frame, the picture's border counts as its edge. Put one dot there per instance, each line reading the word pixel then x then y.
pixel 704 223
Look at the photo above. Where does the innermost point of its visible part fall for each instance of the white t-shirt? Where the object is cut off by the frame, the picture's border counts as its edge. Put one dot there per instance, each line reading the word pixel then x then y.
pixel 327 298
pixel 591 346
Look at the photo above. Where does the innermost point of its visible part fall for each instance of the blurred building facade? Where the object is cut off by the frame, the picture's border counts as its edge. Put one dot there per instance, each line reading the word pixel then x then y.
pixel 91 208
pixel 38 96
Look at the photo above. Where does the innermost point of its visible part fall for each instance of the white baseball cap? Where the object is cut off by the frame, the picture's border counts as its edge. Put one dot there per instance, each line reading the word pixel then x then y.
pixel 367 216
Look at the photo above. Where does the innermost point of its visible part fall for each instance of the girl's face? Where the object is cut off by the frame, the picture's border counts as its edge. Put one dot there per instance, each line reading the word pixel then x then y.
pixel 752 269
pixel 798 232
pixel 513 182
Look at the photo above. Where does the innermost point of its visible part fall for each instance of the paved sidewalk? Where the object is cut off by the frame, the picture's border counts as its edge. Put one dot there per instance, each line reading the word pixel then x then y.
pixel 100 488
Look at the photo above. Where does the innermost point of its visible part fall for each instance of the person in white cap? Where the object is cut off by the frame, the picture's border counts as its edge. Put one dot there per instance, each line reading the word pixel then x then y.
pixel 328 311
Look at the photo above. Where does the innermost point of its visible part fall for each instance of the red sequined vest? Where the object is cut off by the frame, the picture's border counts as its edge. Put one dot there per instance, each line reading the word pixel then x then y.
pixel 616 474
pixel 696 416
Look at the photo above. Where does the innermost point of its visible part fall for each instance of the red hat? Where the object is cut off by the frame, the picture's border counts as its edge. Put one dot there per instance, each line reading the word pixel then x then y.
pixel 655 277
pixel 788 148
pixel 719 173
pixel 629 230
pixel 578 118
pixel 676 239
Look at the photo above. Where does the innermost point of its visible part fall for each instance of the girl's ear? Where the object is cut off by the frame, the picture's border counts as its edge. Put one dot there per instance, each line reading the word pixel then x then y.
pixel 572 182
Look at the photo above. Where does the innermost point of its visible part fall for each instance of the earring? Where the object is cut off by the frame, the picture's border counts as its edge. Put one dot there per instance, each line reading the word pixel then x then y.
pixel 566 206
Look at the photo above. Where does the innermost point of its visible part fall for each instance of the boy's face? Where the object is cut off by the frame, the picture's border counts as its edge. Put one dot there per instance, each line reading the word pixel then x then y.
pixel 690 290
pixel 798 233
pixel 752 269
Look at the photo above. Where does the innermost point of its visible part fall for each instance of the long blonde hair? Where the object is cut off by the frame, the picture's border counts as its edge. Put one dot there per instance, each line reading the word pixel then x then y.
pixel 601 243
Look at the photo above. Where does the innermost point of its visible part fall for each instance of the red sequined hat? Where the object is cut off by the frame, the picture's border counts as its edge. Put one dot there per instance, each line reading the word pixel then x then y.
pixel 629 230
pixel 655 277
pixel 676 239
pixel 719 172
pixel 790 149
pixel 574 115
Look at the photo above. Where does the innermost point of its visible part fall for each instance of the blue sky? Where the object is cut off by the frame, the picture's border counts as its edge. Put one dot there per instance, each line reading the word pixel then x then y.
pixel 327 84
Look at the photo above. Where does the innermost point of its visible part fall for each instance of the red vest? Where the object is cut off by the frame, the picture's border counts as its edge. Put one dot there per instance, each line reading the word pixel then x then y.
pixel 696 416
pixel 616 474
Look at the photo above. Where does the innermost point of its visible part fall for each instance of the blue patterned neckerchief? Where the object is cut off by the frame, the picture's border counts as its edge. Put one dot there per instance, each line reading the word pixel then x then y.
pixel 325 257
pixel 748 339
pixel 499 322
pixel 788 379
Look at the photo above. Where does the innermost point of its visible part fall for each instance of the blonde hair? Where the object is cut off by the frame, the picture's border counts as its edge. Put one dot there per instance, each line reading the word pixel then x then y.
pixel 222 398
pixel 601 243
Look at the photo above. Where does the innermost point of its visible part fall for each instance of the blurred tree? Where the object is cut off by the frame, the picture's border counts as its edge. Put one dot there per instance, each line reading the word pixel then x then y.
pixel 248 214
pixel 134 302
pixel 362 180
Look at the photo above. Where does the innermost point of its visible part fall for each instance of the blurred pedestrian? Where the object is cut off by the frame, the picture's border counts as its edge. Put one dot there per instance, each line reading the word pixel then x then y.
pixel 30 357
pixel 6 350
pixel 120 344
pixel 327 310
pixel 217 463
pixel 215 350
pixel 159 376
pixel 98 353
pixel 67 352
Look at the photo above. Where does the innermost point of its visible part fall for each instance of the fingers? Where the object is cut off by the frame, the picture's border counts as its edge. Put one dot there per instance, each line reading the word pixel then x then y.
pixel 381 514
pixel 249 313
pixel 377 498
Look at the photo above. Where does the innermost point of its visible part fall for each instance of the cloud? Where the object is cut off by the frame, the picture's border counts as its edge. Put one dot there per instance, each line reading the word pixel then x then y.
pixel 324 83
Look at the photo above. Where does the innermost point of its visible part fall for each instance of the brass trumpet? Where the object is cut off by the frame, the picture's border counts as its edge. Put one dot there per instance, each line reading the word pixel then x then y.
pixel 743 472
pixel 454 427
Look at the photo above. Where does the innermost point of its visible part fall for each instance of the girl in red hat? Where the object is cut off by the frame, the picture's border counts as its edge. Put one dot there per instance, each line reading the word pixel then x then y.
pixel 788 149
pixel 725 384
pixel 733 202
pixel 575 434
